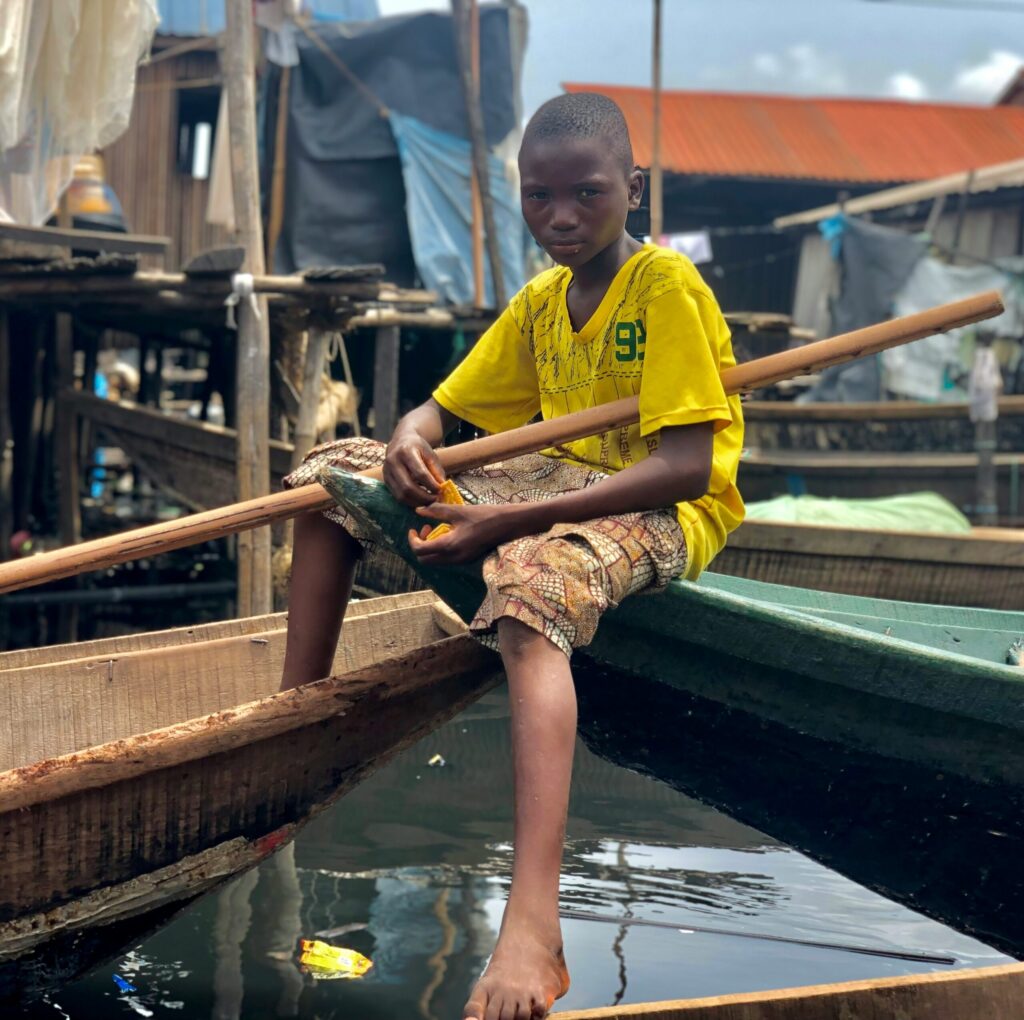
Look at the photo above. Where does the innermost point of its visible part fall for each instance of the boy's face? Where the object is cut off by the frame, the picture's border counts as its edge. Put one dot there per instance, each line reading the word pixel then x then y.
pixel 575 194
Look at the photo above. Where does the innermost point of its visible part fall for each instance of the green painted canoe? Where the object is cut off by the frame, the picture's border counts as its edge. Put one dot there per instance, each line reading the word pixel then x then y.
pixel 931 685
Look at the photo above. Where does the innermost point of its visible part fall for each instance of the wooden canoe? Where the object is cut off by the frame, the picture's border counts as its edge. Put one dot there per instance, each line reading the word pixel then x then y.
pixel 139 772
pixel 902 689
pixel 992 993
pixel 982 568
pixel 867 475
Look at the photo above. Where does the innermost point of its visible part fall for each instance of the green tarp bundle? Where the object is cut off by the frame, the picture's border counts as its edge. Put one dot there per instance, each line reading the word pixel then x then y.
pixel 915 511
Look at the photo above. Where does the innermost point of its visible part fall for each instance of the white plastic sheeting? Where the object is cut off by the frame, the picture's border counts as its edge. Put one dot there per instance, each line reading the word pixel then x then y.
pixel 67 81
pixel 923 370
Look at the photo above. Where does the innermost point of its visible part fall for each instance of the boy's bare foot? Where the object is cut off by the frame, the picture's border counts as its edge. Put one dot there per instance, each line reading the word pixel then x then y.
pixel 525 976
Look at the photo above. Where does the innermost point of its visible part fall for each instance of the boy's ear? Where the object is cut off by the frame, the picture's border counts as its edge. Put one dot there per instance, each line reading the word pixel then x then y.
pixel 636 189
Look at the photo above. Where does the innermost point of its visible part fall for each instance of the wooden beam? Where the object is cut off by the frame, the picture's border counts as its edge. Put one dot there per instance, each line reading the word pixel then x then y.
pixel 21 286
pixel 252 381
pixel 86 240
pixel 385 382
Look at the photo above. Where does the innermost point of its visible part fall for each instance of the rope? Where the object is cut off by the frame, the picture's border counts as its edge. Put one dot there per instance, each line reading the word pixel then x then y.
pixel 242 289
pixel 336 349
pixel 368 94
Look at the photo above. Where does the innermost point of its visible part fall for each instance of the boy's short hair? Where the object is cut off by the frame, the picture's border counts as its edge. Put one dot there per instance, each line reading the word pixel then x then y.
pixel 582 115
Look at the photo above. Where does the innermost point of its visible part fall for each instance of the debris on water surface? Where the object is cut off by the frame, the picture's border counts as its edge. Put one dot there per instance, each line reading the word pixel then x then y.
pixel 125 986
pixel 437 762
pixel 345 929
pixel 324 961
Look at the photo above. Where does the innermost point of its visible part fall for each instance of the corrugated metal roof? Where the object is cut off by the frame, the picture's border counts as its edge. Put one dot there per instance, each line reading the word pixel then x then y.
pixel 206 17
pixel 850 140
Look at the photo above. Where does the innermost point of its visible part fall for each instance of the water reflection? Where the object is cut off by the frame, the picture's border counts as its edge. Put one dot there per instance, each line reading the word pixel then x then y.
pixel 273 938
pixel 411 869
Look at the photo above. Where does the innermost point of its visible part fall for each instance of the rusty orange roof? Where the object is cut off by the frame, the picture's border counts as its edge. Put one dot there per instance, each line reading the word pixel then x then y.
pixel 851 140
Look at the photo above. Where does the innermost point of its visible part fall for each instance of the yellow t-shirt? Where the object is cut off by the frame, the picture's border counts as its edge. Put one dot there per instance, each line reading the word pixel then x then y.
pixel 659 333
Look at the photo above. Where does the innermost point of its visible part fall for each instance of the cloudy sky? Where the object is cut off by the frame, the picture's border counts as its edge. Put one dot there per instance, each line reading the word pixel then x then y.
pixel 945 50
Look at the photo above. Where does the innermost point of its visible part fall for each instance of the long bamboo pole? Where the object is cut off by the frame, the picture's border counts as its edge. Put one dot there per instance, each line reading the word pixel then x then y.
pixel 255 513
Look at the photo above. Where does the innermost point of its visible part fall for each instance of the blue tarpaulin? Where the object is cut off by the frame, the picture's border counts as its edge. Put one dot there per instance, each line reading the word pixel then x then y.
pixel 436 173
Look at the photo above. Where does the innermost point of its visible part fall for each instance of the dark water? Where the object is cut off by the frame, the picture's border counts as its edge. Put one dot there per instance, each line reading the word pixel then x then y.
pixel 412 868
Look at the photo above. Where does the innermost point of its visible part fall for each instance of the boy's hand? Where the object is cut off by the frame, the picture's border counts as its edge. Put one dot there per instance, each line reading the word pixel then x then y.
pixel 411 469
pixel 476 530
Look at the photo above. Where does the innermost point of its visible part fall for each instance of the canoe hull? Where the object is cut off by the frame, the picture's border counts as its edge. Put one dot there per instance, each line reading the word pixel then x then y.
pixel 125 830
pixel 994 993
pixel 841 698
pixel 940 844
pixel 981 569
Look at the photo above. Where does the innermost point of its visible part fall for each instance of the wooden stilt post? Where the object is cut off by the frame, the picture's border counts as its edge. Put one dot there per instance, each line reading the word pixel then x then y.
pixel 385 382
pixel 657 220
pixel 477 224
pixel 276 218
pixel 984 416
pixel 7 518
pixel 465 17
pixel 309 398
pixel 253 373
pixel 6 442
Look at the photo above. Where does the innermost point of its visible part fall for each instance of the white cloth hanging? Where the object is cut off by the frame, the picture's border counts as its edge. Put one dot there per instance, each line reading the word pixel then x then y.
pixel 67 83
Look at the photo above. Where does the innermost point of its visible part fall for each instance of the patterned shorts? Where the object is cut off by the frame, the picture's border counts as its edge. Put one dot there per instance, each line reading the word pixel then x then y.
pixel 559 582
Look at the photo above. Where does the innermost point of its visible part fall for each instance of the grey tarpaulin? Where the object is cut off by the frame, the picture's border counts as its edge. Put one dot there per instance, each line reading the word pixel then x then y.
pixel 344 196
pixel 875 262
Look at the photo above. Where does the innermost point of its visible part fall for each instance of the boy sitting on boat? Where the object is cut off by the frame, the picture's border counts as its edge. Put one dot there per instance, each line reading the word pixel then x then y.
pixel 570 532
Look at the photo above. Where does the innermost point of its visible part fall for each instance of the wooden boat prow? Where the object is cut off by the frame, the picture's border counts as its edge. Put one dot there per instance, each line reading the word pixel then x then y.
pixel 983 993
pixel 138 773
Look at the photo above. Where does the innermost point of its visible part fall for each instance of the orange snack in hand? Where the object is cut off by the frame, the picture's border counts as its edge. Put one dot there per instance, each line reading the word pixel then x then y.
pixel 447 493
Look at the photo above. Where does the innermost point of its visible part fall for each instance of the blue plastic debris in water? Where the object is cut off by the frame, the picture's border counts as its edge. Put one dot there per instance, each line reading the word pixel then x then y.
pixel 125 986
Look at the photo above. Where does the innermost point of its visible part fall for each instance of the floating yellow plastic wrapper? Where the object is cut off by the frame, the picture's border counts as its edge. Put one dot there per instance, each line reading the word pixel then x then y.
pixel 326 961
pixel 448 493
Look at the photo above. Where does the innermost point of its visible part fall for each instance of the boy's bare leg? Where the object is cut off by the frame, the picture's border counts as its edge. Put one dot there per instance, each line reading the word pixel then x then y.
pixel 324 558
pixel 527 971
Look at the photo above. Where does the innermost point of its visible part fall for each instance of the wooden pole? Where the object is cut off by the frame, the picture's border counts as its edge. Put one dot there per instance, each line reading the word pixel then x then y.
pixel 463 19
pixel 986 501
pixel 6 441
pixel 65 435
pixel 252 386
pixel 657 220
pixel 255 513
pixel 276 218
pixel 385 381
pixel 477 224
pixel 309 398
